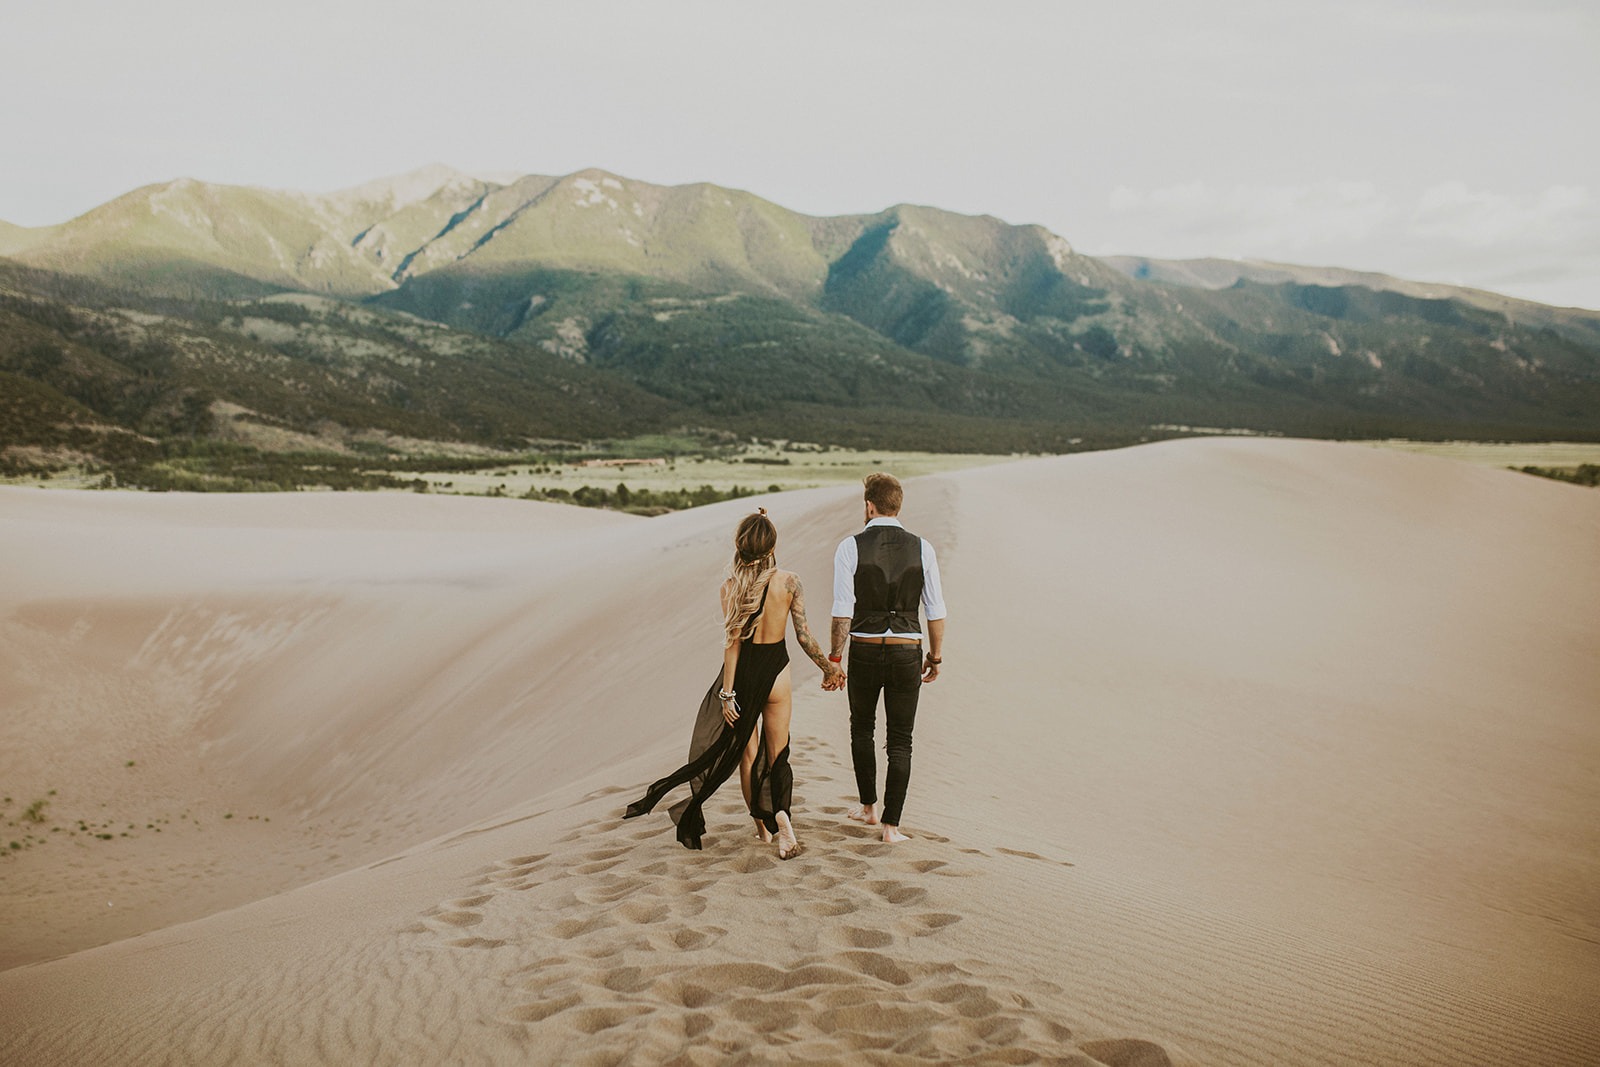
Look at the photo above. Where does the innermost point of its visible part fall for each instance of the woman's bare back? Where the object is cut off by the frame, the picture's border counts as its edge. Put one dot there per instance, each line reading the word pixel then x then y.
pixel 774 618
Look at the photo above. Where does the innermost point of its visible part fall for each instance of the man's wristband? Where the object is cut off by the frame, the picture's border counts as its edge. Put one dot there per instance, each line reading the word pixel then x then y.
pixel 934 660
pixel 835 659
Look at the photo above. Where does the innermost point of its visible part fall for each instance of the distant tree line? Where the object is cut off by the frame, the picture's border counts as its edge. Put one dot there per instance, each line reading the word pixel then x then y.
pixel 645 501
pixel 1584 474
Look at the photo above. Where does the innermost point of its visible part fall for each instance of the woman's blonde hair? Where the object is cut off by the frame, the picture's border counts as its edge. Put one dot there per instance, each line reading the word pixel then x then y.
pixel 754 543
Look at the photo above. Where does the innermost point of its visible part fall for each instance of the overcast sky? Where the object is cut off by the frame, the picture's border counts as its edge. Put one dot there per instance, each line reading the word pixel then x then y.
pixel 1443 140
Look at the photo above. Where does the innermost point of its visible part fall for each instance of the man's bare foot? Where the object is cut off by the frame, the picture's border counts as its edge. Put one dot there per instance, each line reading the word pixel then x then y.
pixel 867 813
pixel 891 834
pixel 788 845
pixel 762 833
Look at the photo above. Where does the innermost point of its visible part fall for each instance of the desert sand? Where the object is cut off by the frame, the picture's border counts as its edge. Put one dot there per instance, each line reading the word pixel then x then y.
pixel 1245 752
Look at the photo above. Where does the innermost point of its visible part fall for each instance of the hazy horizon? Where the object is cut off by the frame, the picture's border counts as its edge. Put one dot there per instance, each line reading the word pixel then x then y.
pixel 1428 140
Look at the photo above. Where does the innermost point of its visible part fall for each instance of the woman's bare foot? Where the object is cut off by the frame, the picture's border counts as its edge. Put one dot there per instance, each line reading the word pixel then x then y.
pixel 891 834
pixel 762 833
pixel 867 813
pixel 788 845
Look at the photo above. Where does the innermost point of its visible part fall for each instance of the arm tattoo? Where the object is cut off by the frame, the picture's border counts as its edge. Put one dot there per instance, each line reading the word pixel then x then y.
pixel 840 635
pixel 802 631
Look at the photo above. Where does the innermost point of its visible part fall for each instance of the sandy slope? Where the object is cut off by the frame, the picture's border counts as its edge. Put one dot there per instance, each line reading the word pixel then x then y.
pixel 1249 752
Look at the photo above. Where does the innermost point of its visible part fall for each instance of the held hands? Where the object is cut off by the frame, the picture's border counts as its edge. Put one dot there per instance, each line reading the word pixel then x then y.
pixel 833 678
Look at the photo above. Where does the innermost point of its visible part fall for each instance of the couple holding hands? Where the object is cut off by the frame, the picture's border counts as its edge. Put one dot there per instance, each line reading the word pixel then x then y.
pixel 882 575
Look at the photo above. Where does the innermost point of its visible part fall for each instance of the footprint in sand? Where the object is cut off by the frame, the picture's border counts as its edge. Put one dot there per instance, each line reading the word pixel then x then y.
pixel 879 1018
pixel 1032 856
pixel 642 913
pixel 518 869
pixel 690 938
pixel 968 1001
pixel 627 980
pixel 604 966
pixel 568 929
pixel 477 942
pixel 594 1020
pixel 458 918
pixel 750 861
pixel 928 922
pixel 1127 1052
pixel 734 977
pixel 874 965
pixel 815 881
pixel 607 853
pixel 898 892
pixel 539 1011
pixel 858 937
pixel 828 909
pixel 607 893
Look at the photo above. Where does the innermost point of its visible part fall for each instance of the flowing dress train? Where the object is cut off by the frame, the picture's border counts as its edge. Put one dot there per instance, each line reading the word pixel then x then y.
pixel 715 747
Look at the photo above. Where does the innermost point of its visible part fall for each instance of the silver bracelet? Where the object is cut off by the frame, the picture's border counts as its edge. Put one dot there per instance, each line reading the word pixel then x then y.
pixel 726 694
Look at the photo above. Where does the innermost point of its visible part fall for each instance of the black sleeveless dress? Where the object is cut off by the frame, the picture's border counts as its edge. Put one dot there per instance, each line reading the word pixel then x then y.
pixel 715 748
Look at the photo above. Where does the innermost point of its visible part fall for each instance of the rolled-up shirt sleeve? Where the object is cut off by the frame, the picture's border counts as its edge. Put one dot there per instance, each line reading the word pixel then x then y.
pixel 844 579
pixel 932 587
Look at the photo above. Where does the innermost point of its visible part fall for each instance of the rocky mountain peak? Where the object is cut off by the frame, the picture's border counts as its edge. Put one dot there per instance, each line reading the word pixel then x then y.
pixel 400 190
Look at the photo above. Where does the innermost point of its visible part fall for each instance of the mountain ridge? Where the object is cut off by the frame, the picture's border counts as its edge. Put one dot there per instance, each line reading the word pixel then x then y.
pixel 1219 273
pixel 408 191
pixel 460 308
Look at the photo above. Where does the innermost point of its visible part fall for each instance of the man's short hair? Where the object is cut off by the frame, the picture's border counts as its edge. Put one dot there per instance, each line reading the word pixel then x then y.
pixel 883 492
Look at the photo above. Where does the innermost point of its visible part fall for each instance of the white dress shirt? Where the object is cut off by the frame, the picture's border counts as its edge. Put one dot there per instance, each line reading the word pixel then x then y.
pixel 847 556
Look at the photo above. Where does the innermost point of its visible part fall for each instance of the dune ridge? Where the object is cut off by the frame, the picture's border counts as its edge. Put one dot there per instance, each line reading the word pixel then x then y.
pixel 1248 752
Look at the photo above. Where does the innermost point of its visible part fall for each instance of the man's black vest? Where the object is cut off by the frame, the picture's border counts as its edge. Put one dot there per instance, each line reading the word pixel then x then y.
pixel 888 581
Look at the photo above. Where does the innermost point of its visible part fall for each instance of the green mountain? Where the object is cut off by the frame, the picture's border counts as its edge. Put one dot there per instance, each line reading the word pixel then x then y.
pixel 15 238
pixel 93 374
pixel 444 307
pixel 1580 324
pixel 192 239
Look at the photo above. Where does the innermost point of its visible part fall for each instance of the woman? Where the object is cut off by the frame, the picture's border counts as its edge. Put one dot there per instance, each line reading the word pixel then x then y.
pixel 754 687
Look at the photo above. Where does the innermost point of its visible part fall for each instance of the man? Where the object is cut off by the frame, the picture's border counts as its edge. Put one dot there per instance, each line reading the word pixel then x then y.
pixel 879 577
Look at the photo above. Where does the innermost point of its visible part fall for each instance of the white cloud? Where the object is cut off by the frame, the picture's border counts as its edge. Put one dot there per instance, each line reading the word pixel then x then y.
pixel 1456 213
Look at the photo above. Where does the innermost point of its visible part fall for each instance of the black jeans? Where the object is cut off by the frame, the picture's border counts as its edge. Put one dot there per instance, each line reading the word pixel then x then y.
pixel 896 672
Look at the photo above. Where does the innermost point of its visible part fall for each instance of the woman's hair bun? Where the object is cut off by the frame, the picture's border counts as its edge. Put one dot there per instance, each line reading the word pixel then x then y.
pixel 763 511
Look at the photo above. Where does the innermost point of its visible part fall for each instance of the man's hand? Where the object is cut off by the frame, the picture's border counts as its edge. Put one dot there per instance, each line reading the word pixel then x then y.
pixel 834 679
pixel 930 664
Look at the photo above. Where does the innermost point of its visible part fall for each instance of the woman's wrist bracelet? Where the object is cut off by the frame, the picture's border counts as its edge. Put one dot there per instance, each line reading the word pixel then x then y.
pixel 726 694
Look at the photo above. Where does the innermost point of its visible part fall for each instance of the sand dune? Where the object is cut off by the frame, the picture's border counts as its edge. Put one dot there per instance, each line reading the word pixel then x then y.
pixel 1247 752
